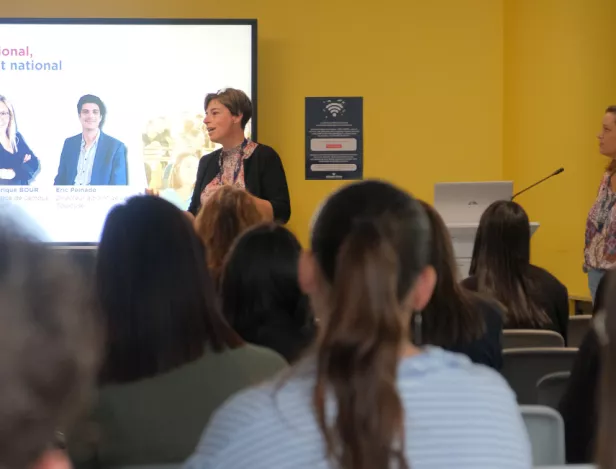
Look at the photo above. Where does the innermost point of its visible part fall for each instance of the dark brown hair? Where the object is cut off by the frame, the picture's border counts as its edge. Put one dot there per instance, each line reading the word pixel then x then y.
pixel 91 99
pixel 606 451
pixel 452 316
pixel 50 350
pixel 370 242
pixel 156 294
pixel 226 214
pixel 236 101
pixel 501 263
pixel 260 292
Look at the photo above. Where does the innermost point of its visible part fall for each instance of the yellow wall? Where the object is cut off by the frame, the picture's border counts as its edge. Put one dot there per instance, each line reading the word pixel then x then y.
pixel 430 74
pixel 454 90
pixel 559 74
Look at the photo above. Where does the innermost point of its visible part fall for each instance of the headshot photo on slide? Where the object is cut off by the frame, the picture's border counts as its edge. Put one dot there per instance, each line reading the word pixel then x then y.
pixel 18 164
pixel 92 158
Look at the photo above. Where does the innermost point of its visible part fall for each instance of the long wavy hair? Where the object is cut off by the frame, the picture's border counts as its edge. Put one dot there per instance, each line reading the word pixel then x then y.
pixel 501 264
pixel 371 243
pixel 227 214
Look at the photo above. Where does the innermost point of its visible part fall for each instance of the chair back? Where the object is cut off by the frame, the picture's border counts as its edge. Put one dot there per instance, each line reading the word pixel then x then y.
pixel 577 329
pixel 546 431
pixel 551 387
pixel 523 368
pixel 531 338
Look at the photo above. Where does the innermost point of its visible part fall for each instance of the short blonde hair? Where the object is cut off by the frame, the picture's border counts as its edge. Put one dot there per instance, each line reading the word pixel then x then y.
pixel 236 101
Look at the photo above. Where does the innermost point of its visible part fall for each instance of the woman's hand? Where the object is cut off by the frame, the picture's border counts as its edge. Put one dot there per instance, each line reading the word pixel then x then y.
pixel 7 174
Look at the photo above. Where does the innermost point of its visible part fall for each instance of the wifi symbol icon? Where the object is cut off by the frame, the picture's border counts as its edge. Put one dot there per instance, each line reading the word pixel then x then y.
pixel 334 108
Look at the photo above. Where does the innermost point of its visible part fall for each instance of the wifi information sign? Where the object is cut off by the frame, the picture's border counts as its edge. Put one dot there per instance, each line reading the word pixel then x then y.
pixel 334 138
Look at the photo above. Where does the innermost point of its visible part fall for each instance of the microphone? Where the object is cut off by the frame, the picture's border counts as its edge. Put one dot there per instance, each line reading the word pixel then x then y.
pixel 555 173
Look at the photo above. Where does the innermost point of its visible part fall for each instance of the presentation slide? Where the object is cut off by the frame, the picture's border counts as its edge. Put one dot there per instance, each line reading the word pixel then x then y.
pixel 91 114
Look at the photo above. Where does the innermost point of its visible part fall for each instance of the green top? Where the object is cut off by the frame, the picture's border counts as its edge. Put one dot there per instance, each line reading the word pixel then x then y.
pixel 160 419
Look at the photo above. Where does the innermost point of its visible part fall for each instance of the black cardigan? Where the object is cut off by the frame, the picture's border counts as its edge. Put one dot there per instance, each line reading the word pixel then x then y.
pixel 264 177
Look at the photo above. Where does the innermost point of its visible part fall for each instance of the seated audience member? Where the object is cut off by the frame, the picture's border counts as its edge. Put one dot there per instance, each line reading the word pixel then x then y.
pixel 605 328
pixel 50 349
pixel 260 292
pixel 171 358
pixel 367 398
pixel 456 318
pixel 578 405
pixel 227 213
pixel 501 268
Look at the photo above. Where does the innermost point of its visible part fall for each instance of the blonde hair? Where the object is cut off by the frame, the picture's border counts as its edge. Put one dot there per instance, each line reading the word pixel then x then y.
pixel 236 101
pixel 11 130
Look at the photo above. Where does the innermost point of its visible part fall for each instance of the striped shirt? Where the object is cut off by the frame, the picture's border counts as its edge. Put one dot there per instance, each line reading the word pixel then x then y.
pixel 457 415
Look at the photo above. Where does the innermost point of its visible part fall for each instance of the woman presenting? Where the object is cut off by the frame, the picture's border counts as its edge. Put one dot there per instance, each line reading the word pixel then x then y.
pixel 240 162
pixel 600 245
pixel 17 162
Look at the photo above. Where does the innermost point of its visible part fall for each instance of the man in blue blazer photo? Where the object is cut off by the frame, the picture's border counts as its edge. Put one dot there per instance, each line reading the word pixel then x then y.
pixel 92 158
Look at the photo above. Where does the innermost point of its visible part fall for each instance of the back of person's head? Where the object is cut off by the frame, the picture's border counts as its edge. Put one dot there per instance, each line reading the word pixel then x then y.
pixel 227 214
pixel 260 292
pixel 451 317
pixel 49 350
pixel 156 294
pixel 501 263
pixel 600 294
pixel 366 273
pixel 605 327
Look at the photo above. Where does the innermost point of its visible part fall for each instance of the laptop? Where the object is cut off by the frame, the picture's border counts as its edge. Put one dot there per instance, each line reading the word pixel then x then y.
pixel 465 202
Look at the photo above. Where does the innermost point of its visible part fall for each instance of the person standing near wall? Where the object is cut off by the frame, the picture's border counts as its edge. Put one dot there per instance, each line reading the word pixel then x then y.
pixel 240 162
pixel 600 239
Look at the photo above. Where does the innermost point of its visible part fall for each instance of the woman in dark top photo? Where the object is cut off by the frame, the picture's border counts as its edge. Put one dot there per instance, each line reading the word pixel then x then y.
pixel 240 162
pixel 18 165
pixel 261 297
pixel 455 318
pixel 533 298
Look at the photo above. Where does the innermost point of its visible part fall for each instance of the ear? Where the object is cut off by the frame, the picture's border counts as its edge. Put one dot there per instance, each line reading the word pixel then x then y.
pixel 307 270
pixel 424 287
pixel 238 119
pixel 52 459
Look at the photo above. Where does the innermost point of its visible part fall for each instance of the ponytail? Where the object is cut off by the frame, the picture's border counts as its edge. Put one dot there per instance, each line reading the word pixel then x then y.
pixel 358 355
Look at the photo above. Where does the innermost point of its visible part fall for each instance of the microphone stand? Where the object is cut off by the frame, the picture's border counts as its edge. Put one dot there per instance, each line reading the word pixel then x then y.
pixel 555 173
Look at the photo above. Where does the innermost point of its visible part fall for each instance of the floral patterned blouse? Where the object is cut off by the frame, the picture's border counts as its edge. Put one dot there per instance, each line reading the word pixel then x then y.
pixel 600 246
pixel 231 168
